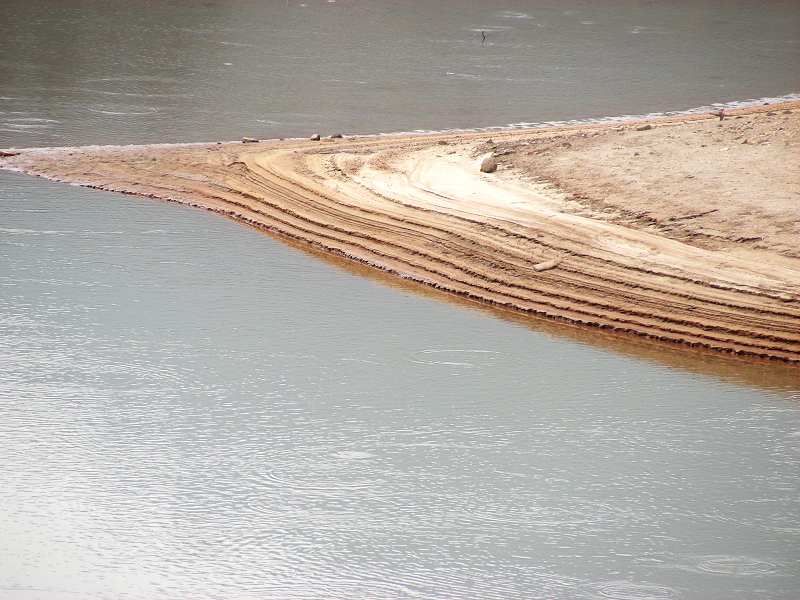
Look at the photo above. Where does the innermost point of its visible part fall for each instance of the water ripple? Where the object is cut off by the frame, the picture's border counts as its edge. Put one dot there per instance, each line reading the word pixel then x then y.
pixel 736 565
pixel 627 590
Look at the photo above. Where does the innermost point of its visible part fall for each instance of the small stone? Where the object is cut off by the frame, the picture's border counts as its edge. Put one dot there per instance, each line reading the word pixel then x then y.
pixel 644 127
pixel 315 138
pixel 7 153
pixel 488 165
pixel 335 136
pixel 249 140
pixel 771 114
pixel 547 265
pixel 785 297
pixel 442 142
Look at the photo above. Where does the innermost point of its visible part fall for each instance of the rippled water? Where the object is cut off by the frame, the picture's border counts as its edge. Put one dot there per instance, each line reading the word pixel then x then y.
pixel 182 416
pixel 191 409
pixel 100 71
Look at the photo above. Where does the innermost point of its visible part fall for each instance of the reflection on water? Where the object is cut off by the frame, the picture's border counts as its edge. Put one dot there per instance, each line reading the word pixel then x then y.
pixel 765 374
pixel 190 409
pixel 215 430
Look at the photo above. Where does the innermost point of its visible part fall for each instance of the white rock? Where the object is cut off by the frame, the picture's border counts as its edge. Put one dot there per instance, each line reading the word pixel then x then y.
pixel 488 164
pixel 547 265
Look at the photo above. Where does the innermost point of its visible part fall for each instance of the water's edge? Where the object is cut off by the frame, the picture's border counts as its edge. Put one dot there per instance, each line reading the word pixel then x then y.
pixel 511 127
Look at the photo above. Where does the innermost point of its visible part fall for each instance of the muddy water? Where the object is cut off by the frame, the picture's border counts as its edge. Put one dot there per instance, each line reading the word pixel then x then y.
pixel 191 409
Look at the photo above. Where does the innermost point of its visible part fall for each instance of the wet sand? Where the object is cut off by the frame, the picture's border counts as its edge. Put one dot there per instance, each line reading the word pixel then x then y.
pixel 681 232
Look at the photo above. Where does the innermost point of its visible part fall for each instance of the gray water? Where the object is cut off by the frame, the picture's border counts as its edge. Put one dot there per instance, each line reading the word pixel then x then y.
pixel 191 409
pixel 100 71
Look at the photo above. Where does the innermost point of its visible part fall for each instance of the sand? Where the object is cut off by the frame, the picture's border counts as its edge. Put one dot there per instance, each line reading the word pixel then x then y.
pixel 682 232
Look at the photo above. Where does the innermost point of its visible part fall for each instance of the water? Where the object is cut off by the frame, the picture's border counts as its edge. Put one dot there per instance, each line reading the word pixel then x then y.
pixel 84 72
pixel 183 417
pixel 191 409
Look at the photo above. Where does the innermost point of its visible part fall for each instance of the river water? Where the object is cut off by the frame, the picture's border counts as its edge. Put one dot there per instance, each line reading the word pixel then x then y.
pixel 192 409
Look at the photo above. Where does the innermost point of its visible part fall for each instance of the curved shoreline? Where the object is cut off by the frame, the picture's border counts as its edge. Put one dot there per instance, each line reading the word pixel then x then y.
pixel 416 206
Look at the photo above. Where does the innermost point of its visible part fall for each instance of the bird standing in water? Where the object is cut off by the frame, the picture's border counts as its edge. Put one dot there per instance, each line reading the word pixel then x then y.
pixel 483 38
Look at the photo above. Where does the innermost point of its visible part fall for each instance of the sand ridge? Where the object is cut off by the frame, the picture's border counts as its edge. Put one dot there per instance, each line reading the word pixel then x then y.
pixel 557 234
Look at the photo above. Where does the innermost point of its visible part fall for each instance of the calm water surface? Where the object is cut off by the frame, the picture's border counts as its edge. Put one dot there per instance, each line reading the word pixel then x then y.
pixel 191 409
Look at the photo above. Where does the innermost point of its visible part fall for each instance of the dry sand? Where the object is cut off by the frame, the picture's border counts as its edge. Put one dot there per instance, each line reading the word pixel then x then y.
pixel 682 232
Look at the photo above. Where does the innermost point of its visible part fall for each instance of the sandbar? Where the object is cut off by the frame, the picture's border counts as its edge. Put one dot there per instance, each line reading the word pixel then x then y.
pixel 682 229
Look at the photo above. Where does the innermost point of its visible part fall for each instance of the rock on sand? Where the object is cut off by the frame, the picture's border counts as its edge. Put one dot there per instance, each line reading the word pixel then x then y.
pixel 488 164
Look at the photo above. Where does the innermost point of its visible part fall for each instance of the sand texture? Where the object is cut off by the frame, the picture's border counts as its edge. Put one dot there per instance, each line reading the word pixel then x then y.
pixel 686 232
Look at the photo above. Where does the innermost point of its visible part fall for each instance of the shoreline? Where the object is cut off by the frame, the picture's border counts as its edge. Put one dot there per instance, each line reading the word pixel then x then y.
pixel 701 112
pixel 417 207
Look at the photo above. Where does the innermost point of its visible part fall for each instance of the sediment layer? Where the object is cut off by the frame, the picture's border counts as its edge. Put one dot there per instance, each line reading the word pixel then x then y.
pixel 418 207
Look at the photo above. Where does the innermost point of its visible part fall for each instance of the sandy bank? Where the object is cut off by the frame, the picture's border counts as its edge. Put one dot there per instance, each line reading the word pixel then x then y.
pixel 681 232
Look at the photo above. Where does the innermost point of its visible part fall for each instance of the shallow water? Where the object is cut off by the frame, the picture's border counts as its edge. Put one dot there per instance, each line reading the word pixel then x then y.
pixel 191 409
